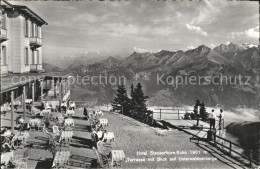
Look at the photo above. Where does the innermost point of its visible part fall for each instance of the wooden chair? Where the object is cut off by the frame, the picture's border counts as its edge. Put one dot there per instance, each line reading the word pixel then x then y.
pixel 102 160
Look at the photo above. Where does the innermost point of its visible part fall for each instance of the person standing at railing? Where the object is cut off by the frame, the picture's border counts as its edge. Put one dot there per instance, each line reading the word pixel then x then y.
pixel 221 119
pixel 212 119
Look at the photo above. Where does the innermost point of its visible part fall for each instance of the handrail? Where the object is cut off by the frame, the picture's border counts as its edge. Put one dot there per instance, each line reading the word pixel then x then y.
pixel 171 113
pixel 251 152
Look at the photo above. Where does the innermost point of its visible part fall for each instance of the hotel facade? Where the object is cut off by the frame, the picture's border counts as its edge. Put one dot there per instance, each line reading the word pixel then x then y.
pixel 21 39
pixel 22 77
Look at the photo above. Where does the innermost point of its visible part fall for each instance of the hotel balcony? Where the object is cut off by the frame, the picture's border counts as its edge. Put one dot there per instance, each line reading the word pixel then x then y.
pixel 35 42
pixel 3 35
pixel 35 67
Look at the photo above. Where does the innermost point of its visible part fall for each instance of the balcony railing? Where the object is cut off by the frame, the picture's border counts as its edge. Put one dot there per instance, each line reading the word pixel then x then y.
pixel 35 41
pixel 3 34
pixel 35 67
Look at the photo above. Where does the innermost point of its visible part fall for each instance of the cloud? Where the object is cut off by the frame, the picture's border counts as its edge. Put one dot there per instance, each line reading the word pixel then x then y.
pixel 190 47
pixel 212 45
pixel 196 29
pixel 143 50
pixel 249 33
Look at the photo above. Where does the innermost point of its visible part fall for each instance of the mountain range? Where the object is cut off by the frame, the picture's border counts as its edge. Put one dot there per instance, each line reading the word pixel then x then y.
pixel 228 60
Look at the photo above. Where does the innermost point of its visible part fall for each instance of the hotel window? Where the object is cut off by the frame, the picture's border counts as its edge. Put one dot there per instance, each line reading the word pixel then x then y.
pixel 32 29
pixel 4 61
pixel 26 58
pixel 3 21
pixel 26 28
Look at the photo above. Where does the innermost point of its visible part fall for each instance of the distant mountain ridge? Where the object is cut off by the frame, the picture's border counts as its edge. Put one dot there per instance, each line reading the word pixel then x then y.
pixel 229 60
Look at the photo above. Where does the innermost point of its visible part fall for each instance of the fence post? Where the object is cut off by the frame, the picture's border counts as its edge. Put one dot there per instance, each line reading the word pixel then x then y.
pixel 230 147
pixel 178 114
pixel 215 138
pixel 160 114
pixel 250 157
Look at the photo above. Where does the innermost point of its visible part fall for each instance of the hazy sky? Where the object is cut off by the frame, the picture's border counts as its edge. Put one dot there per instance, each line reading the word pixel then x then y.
pixel 118 26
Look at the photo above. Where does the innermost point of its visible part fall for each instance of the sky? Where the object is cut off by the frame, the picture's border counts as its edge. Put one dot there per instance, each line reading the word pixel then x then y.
pixel 119 27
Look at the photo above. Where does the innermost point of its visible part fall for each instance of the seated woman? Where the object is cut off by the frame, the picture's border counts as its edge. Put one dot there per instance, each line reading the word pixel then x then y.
pixel 103 149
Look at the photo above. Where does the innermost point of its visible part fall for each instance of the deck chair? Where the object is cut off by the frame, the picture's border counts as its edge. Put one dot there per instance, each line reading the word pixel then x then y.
pixel 103 161
pixel 55 130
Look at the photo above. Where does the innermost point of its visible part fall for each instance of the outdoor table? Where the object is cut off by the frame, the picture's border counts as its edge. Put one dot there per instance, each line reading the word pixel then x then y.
pixel 45 112
pixel 28 101
pixel 61 158
pixel 109 136
pixel 117 156
pixel 69 122
pixel 7 157
pixel 104 122
pixel 66 135
pixel 7 133
pixel 70 112
pixel 99 112
pixel 34 122
pixel 47 106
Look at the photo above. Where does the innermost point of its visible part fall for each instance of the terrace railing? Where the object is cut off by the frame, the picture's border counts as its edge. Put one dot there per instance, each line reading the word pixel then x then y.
pixel 231 145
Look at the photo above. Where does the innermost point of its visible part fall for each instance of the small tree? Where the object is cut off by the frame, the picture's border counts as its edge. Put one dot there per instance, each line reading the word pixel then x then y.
pixel 138 105
pixel 203 113
pixel 121 102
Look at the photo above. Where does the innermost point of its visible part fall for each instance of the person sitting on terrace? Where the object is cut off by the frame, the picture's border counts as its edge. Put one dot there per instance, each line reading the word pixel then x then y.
pixel 19 120
pixel 46 105
pixel 72 105
pixel 102 149
pixel 24 127
pixel 63 106
pixel 29 108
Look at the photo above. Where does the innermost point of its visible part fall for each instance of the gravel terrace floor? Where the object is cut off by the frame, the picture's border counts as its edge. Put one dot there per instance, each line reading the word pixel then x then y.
pixel 132 137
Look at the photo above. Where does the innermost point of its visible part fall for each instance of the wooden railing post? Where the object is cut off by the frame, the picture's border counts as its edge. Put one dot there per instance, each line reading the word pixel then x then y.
pixel 215 138
pixel 230 147
pixel 160 114
pixel 178 114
